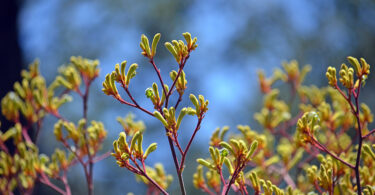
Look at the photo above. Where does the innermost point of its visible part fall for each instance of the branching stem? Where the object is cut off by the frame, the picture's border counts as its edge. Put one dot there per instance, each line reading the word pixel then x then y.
pixel 188 145
pixel 90 175
pixel 324 149
pixel 355 111
pixel 181 67
pixel 360 140
pixel 368 134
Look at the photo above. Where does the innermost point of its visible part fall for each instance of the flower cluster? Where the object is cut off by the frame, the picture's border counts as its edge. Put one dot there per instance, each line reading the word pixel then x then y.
pixel 324 146
pixel 312 140
pixel 27 107
pixel 133 157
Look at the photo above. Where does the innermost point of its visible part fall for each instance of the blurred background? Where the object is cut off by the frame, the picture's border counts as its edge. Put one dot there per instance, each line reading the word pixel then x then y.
pixel 235 39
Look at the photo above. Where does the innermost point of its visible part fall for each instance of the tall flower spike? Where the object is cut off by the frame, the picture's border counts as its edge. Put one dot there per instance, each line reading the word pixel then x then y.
pixel 228 147
pixel 129 125
pixel 252 149
pixel 88 68
pixel 181 82
pixel 10 106
pixel 164 94
pixel 155 42
pixel 205 163
pixel 306 127
pixel 254 181
pixel 150 94
pixel 145 46
pixel 70 77
pixel 161 118
pixel 178 48
pixel 331 76
pixel 131 73
pixel 191 43
pixel 218 136
pixel 356 65
pixel 33 70
pixel 156 92
pixel 109 86
pixel 346 76
pixel 194 100
pixel 173 51
pixel 365 67
pixel 120 72
pixel 183 112
pixel 152 147
pixel 198 179
pixel 136 138
pixel 203 104
pixel 188 39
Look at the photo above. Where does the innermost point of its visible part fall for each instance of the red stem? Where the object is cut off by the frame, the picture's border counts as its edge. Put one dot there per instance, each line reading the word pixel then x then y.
pixel 64 179
pixel 341 92
pixel 368 134
pixel 178 101
pixel 90 173
pixel 170 141
pixel 318 187
pixel 103 156
pixel 135 102
pixel 245 190
pixel 44 179
pixel 160 78
pixel 38 129
pixel 26 135
pixel 222 176
pixel 188 145
pixel 360 140
pixel 3 147
pixel 167 95
pixel 133 105
pixel 238 169
pixel 78 157
pixel 144 173
pixel 355 111
pixel 181 67
pixel 208 191
pixel 175 160
pixel 323 148
pixel 178 144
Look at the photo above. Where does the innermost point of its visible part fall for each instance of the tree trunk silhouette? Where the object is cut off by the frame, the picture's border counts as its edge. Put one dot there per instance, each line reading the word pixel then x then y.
pixel 10 52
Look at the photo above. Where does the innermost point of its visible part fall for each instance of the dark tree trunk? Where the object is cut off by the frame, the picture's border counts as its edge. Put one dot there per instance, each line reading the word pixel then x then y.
pixel 10 52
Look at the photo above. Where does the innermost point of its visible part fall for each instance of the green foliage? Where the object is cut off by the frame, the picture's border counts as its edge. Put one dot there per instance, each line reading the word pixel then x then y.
pixel 32 100
pixel 322 125
pixel 309 149
pixel 133 157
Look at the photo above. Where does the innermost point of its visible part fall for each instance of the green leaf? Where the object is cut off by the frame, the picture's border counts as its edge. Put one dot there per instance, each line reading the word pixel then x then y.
pixel 131 73
pixel 134 140
pixel 194 100
pixel 161 118
pixel 152 147
pixel 183 112
pixel 253 147
pixel 146 45
pixel 204 163
pixel 155 42
pixel 227 146
pixel 172 50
